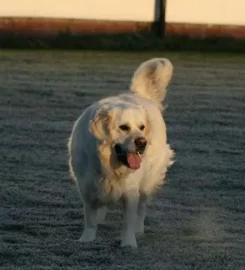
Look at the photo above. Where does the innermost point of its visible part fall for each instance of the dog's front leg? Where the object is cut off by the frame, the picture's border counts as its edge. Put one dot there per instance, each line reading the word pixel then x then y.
pixel 131 201
pixel 101 215
pixel 90 223
pixel 139 228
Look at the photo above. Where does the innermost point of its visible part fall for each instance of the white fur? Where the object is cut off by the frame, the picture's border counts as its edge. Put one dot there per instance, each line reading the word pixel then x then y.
pixel 100 178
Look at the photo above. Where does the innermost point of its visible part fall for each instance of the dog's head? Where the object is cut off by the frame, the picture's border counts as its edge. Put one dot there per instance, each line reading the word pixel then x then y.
pixel 125 129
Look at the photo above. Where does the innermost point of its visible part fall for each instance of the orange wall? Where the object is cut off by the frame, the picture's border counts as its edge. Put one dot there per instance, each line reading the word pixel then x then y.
pixel 225 12
pixel 118 10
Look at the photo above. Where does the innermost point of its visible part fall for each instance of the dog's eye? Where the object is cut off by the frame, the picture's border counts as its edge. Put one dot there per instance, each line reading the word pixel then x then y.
pixel 124 127
pixel 142 127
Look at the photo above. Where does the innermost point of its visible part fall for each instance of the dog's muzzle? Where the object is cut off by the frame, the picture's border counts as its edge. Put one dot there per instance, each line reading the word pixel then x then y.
pixel 131 159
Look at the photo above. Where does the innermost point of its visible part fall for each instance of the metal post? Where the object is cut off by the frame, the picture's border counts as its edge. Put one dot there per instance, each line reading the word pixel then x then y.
pixel 161 19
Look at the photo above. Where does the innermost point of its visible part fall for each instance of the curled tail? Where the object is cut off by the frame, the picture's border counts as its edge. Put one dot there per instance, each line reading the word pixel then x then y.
pixel 151 79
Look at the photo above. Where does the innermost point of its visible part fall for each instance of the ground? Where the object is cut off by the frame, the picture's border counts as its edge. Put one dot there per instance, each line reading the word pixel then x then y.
pixel 197 219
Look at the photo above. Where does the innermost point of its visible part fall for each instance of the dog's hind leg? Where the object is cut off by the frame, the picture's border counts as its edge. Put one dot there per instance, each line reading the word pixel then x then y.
pixel 101 215
pixel 90 229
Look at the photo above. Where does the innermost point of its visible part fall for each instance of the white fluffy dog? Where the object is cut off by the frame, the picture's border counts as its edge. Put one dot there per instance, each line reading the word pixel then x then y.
pixel 118 151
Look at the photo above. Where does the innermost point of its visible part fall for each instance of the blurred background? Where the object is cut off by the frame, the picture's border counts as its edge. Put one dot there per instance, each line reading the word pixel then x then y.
pixel 115 24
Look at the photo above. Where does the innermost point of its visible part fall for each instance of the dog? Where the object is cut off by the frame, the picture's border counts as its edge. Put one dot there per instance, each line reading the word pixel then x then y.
pixel 118 151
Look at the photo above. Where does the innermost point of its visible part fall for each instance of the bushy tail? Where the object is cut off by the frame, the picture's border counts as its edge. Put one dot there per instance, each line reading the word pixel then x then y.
pixel 151 79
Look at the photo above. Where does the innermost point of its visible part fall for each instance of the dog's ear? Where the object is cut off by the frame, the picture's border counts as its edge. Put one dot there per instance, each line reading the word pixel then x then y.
pixel 100 125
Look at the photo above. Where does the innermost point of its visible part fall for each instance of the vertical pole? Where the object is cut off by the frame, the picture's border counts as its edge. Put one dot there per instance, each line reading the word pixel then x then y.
pixel 161 20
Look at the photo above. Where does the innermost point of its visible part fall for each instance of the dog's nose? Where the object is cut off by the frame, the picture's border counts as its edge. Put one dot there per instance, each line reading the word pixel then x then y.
pixel 140 143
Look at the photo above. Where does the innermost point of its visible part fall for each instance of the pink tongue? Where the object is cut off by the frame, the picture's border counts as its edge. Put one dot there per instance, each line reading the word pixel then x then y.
pixel 133 161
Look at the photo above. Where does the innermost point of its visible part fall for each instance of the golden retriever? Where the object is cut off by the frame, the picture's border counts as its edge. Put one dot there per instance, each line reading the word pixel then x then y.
pixel 118 151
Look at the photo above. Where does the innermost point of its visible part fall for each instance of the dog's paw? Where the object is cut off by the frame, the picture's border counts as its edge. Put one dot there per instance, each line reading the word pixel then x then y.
pixel 128 240
pixel 131 243
pixel 88 235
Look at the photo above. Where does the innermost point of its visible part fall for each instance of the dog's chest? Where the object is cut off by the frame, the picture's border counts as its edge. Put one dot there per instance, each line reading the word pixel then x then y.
pixel 112 189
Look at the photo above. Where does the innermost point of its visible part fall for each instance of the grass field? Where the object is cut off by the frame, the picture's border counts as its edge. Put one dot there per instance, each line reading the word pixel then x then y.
pixel 197 220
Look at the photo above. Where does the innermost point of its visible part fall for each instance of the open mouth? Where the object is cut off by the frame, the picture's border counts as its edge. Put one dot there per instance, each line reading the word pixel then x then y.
pixel 129 159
